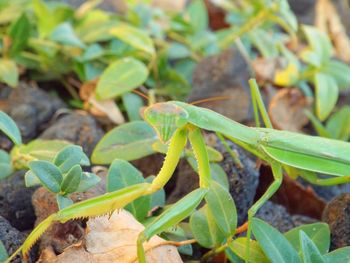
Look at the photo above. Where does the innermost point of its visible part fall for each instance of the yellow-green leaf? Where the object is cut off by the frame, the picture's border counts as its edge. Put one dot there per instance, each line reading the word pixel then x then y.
pixel 120 77
pixel 8 72
pixel 135 37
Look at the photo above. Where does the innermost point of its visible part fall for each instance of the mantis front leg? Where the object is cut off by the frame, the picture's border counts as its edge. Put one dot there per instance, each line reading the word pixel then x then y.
pixel 176 146
pixel 184 207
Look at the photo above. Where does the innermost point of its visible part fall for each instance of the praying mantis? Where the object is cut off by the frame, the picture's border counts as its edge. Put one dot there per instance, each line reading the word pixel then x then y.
pixel 175 123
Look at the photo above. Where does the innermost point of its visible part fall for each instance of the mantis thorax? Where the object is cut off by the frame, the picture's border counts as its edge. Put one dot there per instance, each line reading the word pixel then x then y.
pixel 166 118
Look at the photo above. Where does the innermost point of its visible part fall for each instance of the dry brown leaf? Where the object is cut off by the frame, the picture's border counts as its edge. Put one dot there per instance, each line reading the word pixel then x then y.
pixel 170 5
pixel 286 110
pixel 100 108
pixel 295 197
pixel 267 70
pixel 327 19
pixel 113 239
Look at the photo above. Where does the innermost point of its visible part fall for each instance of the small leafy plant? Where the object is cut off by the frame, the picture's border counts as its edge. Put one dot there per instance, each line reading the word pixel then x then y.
pixel 64 175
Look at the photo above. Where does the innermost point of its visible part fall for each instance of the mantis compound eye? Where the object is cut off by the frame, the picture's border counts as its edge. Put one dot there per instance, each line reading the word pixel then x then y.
pixel 165 118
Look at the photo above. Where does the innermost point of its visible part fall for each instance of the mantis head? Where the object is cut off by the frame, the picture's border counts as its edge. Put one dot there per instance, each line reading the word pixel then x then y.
pixel 165 118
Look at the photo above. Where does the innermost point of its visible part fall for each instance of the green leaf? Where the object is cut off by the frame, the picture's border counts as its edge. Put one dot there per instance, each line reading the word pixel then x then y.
pixel 339 71
pixel 135 37
pixel 318 232
pixel 19 33
pixel 132 103
pixel 8 72
pixel 122 174
pixel 70 156
pixel 65 35
pixel 31 179
pixel 338 125
pixel 5 164
pixel 3 252
pixel 63 201
pixel 37 149
pixel 326 95
pixel 178 51
pixel 288 15
pixel 321 130
pixel 309 250
pixel 94 51
pixel 262 40
pixel 71 180
pixel 176 213
pixel 219 175
pixel 129 141
pixel 320 46
pixel 339 255
pixel 87 181
pixel 221 204
pixel 204 228
pixel 273 243
pixel 198 15
pixel 49 175
pixel 9 128
pixel 239 245
pixel 50 15
pixel 120 77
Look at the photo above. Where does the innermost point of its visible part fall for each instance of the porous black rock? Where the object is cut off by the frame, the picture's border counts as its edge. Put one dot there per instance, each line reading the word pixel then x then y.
pixel 76 127
pixel 11 238
pixel 16 201
pixel 31 108
pixel 337 215
pixel 243 181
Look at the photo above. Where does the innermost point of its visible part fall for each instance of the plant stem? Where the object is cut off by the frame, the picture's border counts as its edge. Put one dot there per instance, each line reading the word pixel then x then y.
pixel 252 23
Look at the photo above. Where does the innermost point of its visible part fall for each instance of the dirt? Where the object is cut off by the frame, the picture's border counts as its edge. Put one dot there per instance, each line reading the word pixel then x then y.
pixel 15 201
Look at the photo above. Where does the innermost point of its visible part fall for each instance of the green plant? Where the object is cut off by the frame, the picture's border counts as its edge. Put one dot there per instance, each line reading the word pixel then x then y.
pixel 337 125
pixel 37 150
pixel 255 22
pixel 329 76
pixel 64 175
pixel 144 46
pixel 306 243
pixel 174 122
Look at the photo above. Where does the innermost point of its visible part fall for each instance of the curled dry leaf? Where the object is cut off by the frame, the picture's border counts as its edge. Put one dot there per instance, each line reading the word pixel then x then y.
pixel 170 5
pixel 292 195
pixel 278 71
pixel 286 110
pixel 113 239
pixel 327 19
pixel 99 108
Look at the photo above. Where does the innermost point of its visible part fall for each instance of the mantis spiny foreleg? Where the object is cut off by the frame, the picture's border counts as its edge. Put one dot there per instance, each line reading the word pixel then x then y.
pixel 184 207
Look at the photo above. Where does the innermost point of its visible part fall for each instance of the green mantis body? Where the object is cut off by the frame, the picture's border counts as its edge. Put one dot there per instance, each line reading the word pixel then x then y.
pixel 175 122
